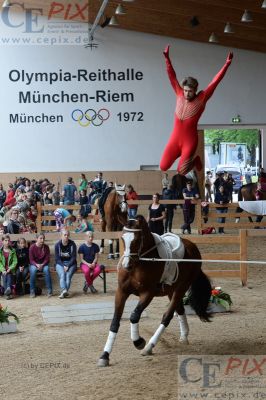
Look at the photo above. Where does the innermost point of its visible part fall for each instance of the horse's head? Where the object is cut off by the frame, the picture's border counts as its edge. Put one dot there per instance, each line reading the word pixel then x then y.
pixel 134 234
pixel 121 194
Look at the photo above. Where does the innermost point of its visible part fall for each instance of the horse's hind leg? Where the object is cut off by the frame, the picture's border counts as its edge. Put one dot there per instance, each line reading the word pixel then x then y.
pixel 183 324
pixel 120 300
pixel 168 315
pixel 138 341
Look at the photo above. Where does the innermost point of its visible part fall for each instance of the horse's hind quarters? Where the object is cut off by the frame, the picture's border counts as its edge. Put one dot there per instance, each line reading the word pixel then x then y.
pixel 147 351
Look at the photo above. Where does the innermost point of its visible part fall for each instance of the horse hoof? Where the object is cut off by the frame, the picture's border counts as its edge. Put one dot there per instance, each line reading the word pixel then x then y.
pixel 140 343
pixel 103 362
pixel 111 257
pixel 147 351
pixel 184 340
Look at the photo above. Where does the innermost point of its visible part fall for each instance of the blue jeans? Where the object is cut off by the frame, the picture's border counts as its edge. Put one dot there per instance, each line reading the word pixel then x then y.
pixel 221 220
pixel 132 212
pixel 47 276
pixel 65 277
pixel 7 280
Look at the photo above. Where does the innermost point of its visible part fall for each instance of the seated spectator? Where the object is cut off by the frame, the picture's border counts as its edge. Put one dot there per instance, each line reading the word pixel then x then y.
pixel 8 262
pixel 89 253
pixel 10 198
pixel 22 269
pixel 131 195
pixel 65 262
pixel 2 196
pixel 39 255
pixel 83 224
pixel 63 218
pixel 27 185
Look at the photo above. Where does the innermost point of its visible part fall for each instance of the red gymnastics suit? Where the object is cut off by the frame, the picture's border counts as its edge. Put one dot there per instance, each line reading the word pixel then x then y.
pixel 184 137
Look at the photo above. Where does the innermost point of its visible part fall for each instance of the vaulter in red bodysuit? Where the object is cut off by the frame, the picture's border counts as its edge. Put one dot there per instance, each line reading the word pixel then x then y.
pixel 189 107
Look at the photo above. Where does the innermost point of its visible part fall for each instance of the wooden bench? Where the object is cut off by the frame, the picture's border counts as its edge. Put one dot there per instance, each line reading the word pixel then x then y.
pixel 52 238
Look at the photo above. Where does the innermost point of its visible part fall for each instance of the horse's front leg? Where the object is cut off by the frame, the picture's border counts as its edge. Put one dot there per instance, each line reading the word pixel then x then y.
pixel 120 300
pixel 138 341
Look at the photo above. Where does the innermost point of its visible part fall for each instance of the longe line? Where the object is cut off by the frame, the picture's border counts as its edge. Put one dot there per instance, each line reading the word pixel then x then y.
pixel 199 260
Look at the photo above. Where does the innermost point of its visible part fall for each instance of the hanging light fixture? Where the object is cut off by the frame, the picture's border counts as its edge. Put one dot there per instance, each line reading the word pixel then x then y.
pixel 228 28
pixel 120 10
pixel 113 21
pixel 263 4
pixel 213 38
pixel 6 3
pixel 247 16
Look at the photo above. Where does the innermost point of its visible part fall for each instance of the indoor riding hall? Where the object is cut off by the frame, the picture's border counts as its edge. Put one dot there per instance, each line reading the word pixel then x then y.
pixel 85 89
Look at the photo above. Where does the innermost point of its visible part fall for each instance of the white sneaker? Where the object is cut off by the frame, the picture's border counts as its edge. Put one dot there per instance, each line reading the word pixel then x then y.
pixel 61 296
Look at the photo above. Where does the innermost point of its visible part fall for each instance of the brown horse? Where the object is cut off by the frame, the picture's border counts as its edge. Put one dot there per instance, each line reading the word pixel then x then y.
pixel 248 193
pixel 142 278
pixel 114 216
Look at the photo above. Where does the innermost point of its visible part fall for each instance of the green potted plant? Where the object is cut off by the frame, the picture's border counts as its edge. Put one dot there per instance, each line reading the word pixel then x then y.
pixel 219 301
pixel 5 325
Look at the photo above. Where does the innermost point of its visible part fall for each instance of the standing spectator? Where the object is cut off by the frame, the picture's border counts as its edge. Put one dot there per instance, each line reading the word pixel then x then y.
pixel 63 218
pixel 169 194
pixel 48 201
pixel 218 182
pixel 131 194
pixel 8 262
pixel 221 197
pixel 165 181
pixel 262 178
pixel 208 186
pixel 189 193
pixel 39 262
pixel 83 183
pixel 89 253
pixel 2 196
pixel 248 176
pixel 156 215
pixel 69 192
pixel 22 270
pixel 99 183
pixel 65 262
pixel 230 182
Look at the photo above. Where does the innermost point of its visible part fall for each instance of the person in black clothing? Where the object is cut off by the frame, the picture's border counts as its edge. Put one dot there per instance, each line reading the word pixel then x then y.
pixel 189 193
pixel 230 182
pixel 66 262
pixel 156 215
pixel 218 182
pixel 2 196
pixel 221 197
pixel 169 194
pixel 22 269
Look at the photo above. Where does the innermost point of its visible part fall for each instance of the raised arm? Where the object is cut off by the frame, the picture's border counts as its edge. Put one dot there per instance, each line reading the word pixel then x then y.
pixel 171 72
pixel 218 77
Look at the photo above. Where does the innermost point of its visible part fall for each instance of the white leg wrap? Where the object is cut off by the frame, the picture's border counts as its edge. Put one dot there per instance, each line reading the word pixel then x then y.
pixel 184 328
pixel 134 328
pixel 154 339
pixel 110 342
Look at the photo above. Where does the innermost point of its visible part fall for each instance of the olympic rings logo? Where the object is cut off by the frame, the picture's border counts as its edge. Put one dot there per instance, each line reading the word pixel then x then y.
pixel 90 116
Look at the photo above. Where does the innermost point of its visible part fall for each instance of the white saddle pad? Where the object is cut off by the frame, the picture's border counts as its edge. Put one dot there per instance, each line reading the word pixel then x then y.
pixel 257 207
pixel 169 246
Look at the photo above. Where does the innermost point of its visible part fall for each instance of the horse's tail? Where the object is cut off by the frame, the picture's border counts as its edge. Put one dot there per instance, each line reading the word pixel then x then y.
pixel 200 296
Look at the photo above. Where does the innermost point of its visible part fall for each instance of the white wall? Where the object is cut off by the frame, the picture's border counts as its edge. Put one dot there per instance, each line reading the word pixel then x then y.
pixel 66 146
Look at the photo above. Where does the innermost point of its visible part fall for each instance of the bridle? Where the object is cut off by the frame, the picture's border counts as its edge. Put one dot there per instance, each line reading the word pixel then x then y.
pixel 138 254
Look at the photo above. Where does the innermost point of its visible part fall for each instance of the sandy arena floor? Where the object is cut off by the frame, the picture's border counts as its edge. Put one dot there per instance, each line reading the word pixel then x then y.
pixel 59 361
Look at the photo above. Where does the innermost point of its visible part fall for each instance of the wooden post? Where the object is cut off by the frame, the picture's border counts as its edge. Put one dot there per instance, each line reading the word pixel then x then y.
pixel 198 217
pixel 243 257
pixel 39 217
